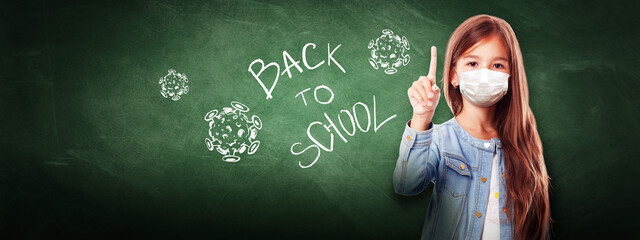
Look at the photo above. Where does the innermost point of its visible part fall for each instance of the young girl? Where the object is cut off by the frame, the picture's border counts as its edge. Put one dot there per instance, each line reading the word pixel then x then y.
pixel 486 162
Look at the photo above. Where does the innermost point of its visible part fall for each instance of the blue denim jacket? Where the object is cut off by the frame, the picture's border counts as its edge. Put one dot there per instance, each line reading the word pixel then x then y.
pixel 460 167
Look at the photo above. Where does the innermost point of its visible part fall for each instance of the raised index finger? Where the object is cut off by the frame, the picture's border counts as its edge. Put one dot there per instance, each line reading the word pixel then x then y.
pixel 434 62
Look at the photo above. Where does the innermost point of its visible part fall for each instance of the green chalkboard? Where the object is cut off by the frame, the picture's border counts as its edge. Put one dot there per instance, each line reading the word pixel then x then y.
pixel 95 145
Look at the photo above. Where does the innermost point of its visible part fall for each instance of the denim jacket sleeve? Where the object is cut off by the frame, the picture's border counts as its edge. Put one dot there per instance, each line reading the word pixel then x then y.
pixel 418 161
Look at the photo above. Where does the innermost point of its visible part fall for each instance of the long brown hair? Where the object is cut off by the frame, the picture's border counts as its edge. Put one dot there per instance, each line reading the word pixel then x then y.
pixel 527 179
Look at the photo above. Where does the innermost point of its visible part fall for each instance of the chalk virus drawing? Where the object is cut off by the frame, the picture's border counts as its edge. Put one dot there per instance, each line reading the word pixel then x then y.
pixel 174 85
pixel 231 133
pixel 389 51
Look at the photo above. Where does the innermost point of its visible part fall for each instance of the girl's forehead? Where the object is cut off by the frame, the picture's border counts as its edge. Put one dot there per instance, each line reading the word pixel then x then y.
pixel 488 48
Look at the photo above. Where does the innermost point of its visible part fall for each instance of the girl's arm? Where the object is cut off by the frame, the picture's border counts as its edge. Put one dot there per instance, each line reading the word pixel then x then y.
pixel 417 161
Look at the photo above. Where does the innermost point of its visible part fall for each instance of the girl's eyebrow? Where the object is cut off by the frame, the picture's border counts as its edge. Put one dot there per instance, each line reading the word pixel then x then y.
pixel 494 59
pixel 500 58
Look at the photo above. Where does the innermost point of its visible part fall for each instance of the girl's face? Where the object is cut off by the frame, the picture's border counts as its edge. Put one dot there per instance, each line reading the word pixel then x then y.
pixel 490 53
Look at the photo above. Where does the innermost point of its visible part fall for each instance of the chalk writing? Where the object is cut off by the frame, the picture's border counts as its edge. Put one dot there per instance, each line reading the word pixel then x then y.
pixel 331 128
pixel 315 95
pixel 289 63
pixel 347 119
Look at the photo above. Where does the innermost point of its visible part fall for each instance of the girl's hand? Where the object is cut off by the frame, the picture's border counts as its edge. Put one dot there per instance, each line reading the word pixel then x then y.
pixel 424 95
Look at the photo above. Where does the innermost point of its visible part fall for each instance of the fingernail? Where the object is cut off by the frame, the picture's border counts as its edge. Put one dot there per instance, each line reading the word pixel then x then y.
pixel 429 103
pixel 434 87
pixel 430 95
pixel 423 103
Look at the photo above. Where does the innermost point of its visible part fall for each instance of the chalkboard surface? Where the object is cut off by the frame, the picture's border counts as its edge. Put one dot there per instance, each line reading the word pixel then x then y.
pixel 238 119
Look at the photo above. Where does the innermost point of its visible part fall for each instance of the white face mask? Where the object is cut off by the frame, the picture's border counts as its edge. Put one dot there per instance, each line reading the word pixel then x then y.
pixel 483 87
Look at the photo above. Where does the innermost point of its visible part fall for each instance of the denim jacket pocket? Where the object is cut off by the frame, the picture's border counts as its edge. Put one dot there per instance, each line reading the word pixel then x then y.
pixel 456 175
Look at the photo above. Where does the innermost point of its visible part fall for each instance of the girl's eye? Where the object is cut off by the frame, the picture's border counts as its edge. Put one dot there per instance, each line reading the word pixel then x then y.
pixel 498 65
pixel 472 64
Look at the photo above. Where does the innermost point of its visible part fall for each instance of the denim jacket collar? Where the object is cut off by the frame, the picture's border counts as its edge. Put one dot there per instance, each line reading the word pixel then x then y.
pixel 486 145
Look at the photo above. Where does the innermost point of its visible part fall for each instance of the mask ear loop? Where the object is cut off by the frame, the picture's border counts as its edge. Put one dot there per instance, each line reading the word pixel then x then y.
pixel 456 73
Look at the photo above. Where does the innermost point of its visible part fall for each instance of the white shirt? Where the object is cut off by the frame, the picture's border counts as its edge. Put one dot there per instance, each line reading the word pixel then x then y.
pixel 491 229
